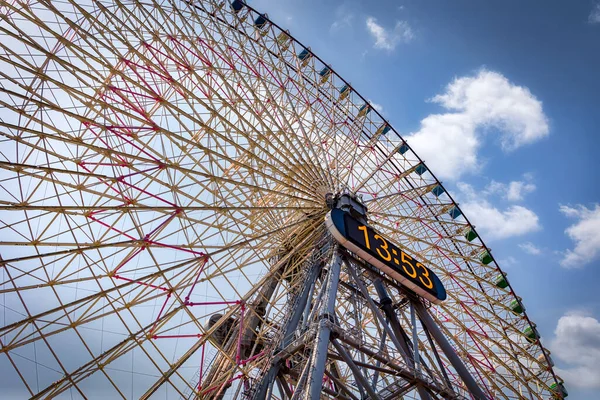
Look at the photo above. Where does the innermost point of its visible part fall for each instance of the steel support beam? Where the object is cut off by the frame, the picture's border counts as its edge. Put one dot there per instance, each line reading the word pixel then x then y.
pixel 412 357
pixel 291 325
pixel 283 386
pixel 360 378
pixel 378 363
pixel 402 371
pixel 438 359
pixel 415 339
pixel 447 348
pixel 318 360
pixel 406 355
pixel 376 311
pixel 341 386
pixel 301 381
pixel 386 306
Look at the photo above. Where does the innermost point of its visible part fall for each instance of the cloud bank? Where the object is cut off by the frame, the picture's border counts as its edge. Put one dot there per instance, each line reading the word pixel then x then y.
pixel 585 233
pixel 530 248
pixel 388 39
pixel 594 17
pixel 577 342
pixel 492 222
pixel 449 142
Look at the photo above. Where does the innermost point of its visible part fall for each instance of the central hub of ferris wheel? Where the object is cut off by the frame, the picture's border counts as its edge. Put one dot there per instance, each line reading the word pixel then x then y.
pixel 349 202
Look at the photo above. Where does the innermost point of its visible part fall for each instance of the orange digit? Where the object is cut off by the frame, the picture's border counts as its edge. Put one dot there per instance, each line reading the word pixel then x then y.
pixel 384 246
pixel 426 275
pixel 406 260
pixel 364 229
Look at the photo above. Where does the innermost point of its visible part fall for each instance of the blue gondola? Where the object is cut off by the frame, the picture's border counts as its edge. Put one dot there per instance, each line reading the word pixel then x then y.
pixel 403 149
pixel 325 71
pixel 260 21
pixel 421 169
pixel 438 190
pixel 454 212
pixel 237 5
pixel 304 54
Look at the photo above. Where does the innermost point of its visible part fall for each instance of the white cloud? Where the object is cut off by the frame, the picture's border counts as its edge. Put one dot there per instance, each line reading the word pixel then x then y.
pixel 530 248
pixel 343 19
pixel 492 222
pixel 514 221
pixel 388 39
pixel 594 17
pixel 509 261
pixel 449 142
pixel 495 187
pixel 577 342
pixel 517 190
pixel 585 233
pixel 514 190
pixel 376 106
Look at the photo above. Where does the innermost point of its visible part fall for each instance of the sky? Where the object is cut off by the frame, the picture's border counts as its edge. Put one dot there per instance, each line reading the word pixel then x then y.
pixel 500 98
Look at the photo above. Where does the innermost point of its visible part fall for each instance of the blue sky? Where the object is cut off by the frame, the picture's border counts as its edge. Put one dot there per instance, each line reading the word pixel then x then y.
pixel 501 100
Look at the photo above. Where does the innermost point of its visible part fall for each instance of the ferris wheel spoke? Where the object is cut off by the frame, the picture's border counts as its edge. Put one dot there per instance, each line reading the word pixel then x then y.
pixel 226 366
pixel 225 82
pixel 47 325
pixel 430 220
pixel 141 208
pixel 67 252
pixel 479 364
pixel 297 117
pixel 448 256
pixel 96 364
pixel 105 178
pixel 407 195
pixel 77 248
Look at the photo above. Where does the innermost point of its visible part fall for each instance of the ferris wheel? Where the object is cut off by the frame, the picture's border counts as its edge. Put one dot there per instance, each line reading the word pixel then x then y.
pixel 194 205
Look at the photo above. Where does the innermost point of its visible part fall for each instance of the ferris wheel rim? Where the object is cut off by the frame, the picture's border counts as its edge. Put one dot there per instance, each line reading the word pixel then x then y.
pixel 419 160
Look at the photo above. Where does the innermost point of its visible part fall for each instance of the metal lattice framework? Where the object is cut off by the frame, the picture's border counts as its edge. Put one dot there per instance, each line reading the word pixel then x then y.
pixel 164 167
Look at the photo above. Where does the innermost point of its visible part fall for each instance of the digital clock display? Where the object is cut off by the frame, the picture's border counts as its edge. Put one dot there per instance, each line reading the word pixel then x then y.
pixel 371 246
